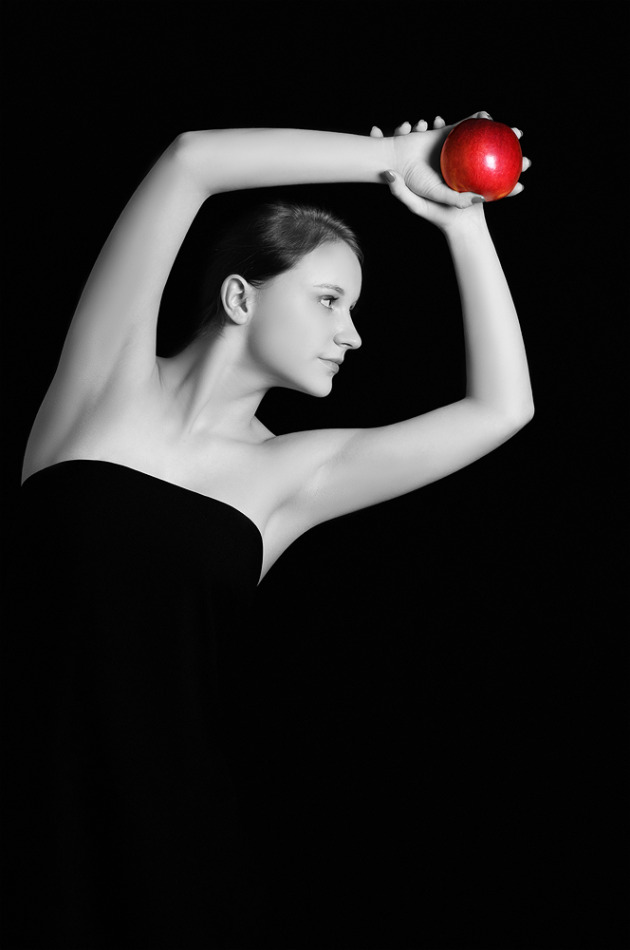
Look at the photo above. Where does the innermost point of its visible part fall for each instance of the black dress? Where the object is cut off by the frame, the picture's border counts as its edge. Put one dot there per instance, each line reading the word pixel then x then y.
pixel 128 825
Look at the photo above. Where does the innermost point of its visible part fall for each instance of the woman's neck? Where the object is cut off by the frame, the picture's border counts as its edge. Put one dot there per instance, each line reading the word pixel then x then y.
pixel 211 389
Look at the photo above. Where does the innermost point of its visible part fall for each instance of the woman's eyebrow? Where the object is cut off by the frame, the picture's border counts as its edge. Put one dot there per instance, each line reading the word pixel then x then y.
pixel 339 290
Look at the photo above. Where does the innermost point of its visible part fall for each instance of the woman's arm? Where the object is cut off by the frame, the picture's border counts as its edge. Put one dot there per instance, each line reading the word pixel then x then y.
pixel 496 365
pixel 116 316
pixel 497 375
pixel 110 346
pixel 234 159
pixel 113 328
pixel 355 468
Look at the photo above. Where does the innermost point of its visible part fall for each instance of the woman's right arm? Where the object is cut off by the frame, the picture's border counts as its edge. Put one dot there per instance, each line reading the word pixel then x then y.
pixel 110 344
pixel 234 159
pixel 115 320
pixel 114 326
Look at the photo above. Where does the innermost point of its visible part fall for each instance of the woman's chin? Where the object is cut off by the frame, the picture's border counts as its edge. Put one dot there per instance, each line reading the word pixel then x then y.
pixel 319 393
pixel 323 389
pixel 319 388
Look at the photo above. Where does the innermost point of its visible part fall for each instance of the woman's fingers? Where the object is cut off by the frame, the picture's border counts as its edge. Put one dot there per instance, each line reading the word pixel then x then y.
pixel 518 188
pixel 526 163
pixel 441 194
pixel 402 129
pixel 438 123
pixel 421 126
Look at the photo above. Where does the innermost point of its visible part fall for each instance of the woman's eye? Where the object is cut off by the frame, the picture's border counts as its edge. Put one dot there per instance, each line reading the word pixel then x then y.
pixel 329 298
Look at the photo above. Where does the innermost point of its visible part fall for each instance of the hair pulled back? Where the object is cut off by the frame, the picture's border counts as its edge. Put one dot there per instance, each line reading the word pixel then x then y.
pixel 266 241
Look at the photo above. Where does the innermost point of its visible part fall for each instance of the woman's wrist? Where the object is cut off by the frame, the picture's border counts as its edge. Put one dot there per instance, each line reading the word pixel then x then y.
pixel 465 226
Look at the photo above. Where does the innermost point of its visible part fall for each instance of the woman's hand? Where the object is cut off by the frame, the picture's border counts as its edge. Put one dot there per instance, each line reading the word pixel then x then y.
pixel 418 181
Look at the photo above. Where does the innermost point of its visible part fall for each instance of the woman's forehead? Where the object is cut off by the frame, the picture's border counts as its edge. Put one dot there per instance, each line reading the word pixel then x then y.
pixel 334 266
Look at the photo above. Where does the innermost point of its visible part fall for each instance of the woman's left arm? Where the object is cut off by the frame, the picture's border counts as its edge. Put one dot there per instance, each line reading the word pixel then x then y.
pixel 497 376
pixel 361 467
pixel 496 364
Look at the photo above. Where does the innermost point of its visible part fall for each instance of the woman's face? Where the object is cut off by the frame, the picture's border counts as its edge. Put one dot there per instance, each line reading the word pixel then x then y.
pixel 302 320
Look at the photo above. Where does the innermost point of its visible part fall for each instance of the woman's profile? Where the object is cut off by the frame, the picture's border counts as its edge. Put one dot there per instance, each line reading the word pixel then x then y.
pixel 155 501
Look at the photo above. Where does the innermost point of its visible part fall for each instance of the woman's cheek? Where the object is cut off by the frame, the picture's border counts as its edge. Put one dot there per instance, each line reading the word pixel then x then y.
pixel 278 341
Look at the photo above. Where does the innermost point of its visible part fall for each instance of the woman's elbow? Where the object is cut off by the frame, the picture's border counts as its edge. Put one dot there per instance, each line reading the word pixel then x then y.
pixel 190 154
pixel 180 146
pixel 182 140
pixel 530 412
pixel 521 417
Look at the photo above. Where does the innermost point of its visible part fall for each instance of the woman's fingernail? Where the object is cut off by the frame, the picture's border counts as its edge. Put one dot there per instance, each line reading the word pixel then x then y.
pixel 477 199
pixel 390 176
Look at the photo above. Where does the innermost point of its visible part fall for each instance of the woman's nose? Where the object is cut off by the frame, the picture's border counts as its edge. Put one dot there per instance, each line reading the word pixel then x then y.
pixel 348 336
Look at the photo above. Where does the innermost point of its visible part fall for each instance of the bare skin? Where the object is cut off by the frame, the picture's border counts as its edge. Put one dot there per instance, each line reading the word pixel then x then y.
pixel 191 420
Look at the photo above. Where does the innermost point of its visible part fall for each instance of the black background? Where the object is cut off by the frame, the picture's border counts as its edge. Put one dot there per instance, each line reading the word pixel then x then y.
pixel 432 718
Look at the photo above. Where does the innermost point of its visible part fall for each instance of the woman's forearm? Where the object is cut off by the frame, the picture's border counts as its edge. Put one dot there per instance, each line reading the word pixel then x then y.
pixel 235 159
pixel 496 363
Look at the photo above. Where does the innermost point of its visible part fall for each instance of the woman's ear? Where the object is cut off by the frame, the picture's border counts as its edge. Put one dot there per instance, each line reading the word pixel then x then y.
pixel 237 297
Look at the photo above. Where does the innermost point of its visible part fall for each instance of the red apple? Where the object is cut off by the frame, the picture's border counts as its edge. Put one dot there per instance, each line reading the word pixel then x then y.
pixel 482 156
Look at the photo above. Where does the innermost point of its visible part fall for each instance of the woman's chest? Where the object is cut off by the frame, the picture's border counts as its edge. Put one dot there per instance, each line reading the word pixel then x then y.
pixel 226 468
pixel 254 473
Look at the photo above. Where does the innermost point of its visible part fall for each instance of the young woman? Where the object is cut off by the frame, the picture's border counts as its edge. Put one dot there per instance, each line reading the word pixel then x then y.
pixel 155 501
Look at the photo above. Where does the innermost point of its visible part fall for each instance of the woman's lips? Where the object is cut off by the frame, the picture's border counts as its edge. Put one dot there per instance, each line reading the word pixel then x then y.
pixel 332 364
